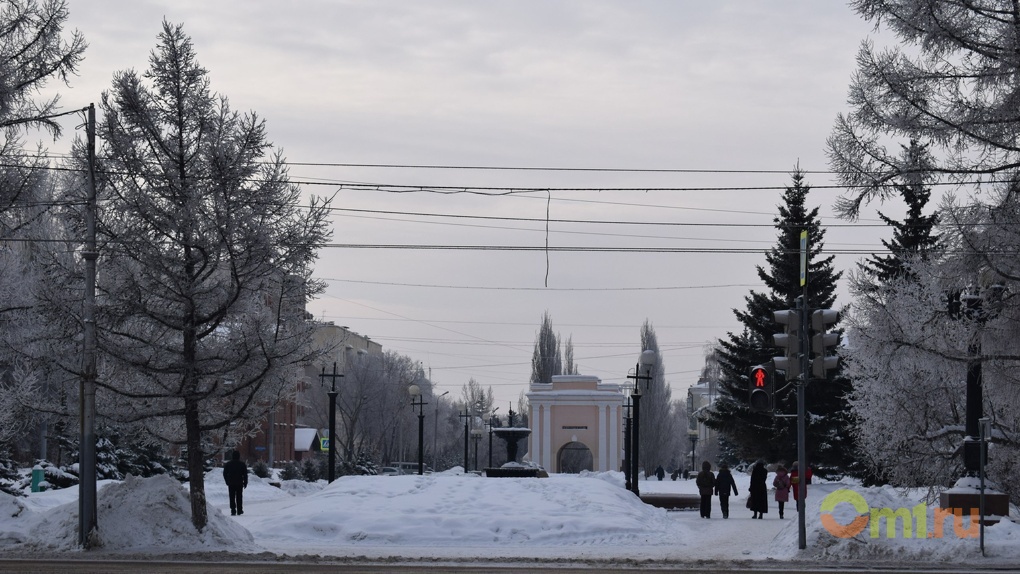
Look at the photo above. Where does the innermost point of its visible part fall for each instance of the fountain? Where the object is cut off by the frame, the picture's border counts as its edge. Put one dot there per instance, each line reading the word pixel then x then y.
pixel 511 435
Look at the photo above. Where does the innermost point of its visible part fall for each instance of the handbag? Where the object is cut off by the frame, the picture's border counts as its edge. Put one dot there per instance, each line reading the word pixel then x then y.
pixel 748 503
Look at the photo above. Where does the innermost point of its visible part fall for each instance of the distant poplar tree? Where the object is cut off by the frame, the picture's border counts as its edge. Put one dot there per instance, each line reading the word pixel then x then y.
pixel 546 361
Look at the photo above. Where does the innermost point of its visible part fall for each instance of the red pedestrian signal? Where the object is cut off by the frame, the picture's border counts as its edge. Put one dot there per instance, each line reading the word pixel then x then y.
pixel 760 388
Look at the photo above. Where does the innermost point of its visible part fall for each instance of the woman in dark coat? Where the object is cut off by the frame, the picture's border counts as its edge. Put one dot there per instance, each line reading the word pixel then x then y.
pixel 759 493
pixel 723 485
pixel 706 485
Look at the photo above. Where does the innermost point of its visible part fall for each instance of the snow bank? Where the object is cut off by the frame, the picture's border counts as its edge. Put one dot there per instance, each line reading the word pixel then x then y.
pixel 921 540
pixel 148 515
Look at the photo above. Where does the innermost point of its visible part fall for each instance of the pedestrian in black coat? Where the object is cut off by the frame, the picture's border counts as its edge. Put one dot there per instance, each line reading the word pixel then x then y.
pixel 759 492
pixel 659 473
pixel 706 485
pixel 235 474
pixel 724 483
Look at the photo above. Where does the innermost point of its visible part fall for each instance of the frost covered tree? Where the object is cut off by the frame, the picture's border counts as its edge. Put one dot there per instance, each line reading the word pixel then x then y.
pixel 950 82
pixel 759 435
pixel 895 399
pixel 546 360
pixel 35 50
pixel 374 407
pixel 205 258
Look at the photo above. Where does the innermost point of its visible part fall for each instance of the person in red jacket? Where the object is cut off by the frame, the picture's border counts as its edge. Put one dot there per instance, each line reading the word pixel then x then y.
pixel 795 481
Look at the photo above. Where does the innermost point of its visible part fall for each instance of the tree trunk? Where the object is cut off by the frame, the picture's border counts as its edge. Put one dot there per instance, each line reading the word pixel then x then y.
pixel 196 470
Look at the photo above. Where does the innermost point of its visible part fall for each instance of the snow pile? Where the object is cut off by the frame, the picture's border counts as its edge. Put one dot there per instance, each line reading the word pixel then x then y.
pixel 149 515
pixel 922 539
pixel 463 511
pixel 451 515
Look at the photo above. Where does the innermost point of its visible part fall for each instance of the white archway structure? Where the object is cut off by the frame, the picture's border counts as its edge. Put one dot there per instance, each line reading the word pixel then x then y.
pixel 576 408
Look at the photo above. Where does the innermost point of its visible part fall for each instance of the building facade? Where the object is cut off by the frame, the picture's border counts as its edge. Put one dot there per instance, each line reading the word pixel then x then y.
pixel 576 424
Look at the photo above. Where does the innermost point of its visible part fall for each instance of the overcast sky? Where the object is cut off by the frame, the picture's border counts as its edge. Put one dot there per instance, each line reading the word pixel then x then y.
pixel 720 86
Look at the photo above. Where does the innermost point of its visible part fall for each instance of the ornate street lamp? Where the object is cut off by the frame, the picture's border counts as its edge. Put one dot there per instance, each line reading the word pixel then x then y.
pixel 331 473
pixel 642 372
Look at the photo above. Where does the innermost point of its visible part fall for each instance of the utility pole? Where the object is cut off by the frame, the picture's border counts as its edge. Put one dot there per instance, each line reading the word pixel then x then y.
pixel 87 522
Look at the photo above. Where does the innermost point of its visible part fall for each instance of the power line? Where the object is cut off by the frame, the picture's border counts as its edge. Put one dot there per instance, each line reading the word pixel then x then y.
pixel 546 289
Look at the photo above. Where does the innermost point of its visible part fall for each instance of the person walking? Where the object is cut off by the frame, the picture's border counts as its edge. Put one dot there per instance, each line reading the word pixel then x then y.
pixel 795 481
pixel 235 474
pixel 724 483
pixel 659 473
pixel 706 486
pixel 782 484
pixel 758 500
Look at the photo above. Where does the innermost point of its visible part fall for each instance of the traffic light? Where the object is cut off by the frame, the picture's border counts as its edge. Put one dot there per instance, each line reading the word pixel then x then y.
pixel 759 388
pixel 789 340
pixel 821 342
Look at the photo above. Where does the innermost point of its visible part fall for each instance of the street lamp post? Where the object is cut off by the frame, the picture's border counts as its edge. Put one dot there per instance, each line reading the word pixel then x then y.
pixel 435 434
pixel 488 418
pixel 626 444
pixel 645 364
pixel 331 471
pixel 418 401
pixel 693 434
pixel 476 435
pixel 467 418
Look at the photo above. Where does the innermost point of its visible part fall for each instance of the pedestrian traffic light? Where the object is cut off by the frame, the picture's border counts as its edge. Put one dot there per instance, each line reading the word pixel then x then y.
pixel 790 341
pixel 822 341
pixel 759 388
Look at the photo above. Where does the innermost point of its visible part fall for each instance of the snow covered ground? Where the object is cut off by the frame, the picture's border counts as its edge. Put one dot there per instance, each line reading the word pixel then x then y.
pixel 451 516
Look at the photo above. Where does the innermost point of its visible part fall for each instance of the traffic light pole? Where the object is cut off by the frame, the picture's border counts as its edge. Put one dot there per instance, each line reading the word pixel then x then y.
pixel 802 471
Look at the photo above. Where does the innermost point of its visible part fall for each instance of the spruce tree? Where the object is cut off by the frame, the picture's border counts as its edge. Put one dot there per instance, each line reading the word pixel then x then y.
pixel 914 236
pixel 755 435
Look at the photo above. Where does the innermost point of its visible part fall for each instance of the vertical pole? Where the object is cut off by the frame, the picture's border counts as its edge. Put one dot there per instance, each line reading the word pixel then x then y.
pixel 973 409
pixel 802 465
pixel 635 432
pixel 985 428
pixel 87 522
pixel 421 439
pixel 490 443
pixel 802 308
pixel 626 447
pixel 331 473
pixel 465 415
pixel 435 439
pixel 332 427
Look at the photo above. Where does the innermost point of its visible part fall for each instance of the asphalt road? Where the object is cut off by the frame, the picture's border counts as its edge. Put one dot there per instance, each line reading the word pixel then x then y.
pixel 92 566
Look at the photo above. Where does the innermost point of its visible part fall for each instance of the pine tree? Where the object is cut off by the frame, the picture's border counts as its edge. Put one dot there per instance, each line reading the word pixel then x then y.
pixel 760 435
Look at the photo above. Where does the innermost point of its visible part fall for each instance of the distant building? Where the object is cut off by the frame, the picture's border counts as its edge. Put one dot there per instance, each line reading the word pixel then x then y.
pixel 295 430
pixel 700 398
